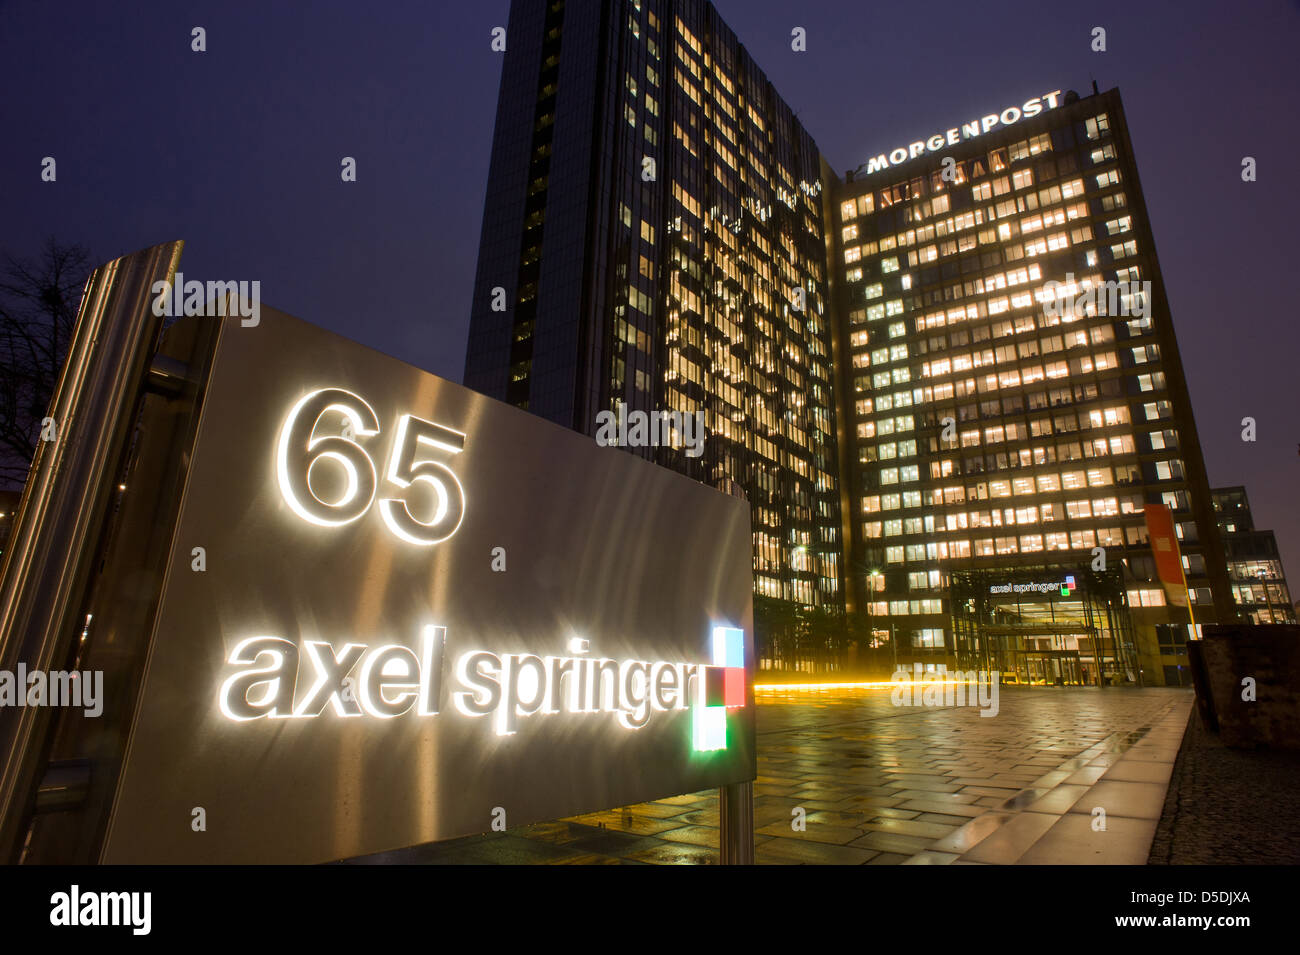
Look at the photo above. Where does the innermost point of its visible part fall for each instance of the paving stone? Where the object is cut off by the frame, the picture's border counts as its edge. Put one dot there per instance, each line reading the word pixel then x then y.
pixel 1024 799
pixel 1134 800
pixel 1140 771
pixel 866 772
pixel 931 858
pixel 695 835
pixel 783 851
pixel 893 842
pixel 942 819
pixel 915 783
pixel 849 819
pixel 1006 844
pixel 899 813
pixel 1000 791
pixel 1086 776
pixel 1049 780
pixel 654 810
pixel 593 859
pixel 1058 800
pixel 940 797
pixel 819 805
pixel 947 808
pixel 835 835
pixel 972 833
pixel 668 853
pixel 638 824
pixel 910 827
pixel 1072 841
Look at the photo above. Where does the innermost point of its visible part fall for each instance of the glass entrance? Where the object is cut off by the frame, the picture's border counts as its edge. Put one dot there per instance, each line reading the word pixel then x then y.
pixel 1044 626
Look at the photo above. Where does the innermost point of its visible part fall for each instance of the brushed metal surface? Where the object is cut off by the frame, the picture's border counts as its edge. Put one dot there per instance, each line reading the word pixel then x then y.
pixel 49 559
pixel 125 596
pixel 600 545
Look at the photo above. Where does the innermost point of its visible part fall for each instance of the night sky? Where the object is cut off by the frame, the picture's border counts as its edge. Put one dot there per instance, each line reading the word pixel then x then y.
pixel 237 151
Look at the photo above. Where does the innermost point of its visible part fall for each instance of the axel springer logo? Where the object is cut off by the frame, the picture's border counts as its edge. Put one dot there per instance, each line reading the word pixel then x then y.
pixel 276 678
pixel 1066 587
pixel 724 688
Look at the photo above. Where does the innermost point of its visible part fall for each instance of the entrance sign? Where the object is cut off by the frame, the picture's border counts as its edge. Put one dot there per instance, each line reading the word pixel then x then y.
pixel 420 607
pixel 1065 587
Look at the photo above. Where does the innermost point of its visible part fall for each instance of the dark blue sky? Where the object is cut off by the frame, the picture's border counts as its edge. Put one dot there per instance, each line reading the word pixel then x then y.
pixel 237 151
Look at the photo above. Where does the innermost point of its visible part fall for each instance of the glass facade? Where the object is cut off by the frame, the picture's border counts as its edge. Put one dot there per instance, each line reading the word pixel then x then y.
pixel 1012 385
pixel 1258 582
pixel 982 333
pixel 654 240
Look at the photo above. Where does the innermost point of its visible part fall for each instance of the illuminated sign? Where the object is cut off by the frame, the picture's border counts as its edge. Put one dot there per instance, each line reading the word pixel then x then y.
pixel 392 680
pixel 300 450
pixel 951 137
pixel 1064 587
pixel 419 606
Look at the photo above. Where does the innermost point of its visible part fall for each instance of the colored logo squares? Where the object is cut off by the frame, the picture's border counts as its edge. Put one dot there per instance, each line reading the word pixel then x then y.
pixel 729 656
pixel 1067 588
pixel 723 689
pixel 708 728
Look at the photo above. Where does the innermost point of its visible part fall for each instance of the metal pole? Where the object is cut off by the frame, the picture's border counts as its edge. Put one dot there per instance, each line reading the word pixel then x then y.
pixel 736 823
pixel 49 564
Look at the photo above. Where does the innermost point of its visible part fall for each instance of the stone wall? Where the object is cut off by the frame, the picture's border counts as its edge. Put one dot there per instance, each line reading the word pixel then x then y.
pixel 1231 656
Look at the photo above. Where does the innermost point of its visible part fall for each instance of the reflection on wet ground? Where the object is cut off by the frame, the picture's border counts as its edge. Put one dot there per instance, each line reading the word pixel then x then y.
pixel 880 784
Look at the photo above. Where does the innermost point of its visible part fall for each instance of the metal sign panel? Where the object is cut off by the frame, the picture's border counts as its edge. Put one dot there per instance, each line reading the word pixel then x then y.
pixel 397 611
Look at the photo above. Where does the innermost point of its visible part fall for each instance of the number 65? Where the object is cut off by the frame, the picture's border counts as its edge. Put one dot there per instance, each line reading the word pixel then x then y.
pixel 300 451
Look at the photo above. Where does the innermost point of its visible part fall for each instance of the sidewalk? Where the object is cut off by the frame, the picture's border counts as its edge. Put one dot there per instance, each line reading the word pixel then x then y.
pixel 883 785
pixel 1104 813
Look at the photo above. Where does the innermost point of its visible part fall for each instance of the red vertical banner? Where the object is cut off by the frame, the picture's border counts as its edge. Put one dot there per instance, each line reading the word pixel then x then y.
pixel 1164 547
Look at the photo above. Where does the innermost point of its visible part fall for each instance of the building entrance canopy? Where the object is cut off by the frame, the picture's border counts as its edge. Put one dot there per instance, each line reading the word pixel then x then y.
pixel 1056 624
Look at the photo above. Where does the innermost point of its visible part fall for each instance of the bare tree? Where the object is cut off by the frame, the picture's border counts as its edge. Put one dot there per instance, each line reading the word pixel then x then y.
pixel 39 298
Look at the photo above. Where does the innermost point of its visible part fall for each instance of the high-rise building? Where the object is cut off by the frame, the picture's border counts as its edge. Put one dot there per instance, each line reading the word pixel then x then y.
pixel 1014 400
pixel 976 321
pixel 1254 564
pixel 653 242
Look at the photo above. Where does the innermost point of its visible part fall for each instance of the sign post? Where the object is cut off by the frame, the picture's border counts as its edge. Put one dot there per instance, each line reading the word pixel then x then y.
pixel 736 823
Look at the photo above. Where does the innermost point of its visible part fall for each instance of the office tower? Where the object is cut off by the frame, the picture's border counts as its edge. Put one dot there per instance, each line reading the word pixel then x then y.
pixel 1014 401
pixel 653 242
pixel 1254 565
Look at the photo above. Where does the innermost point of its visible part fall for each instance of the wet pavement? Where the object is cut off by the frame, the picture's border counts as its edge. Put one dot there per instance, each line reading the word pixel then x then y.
pixel 1059 776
